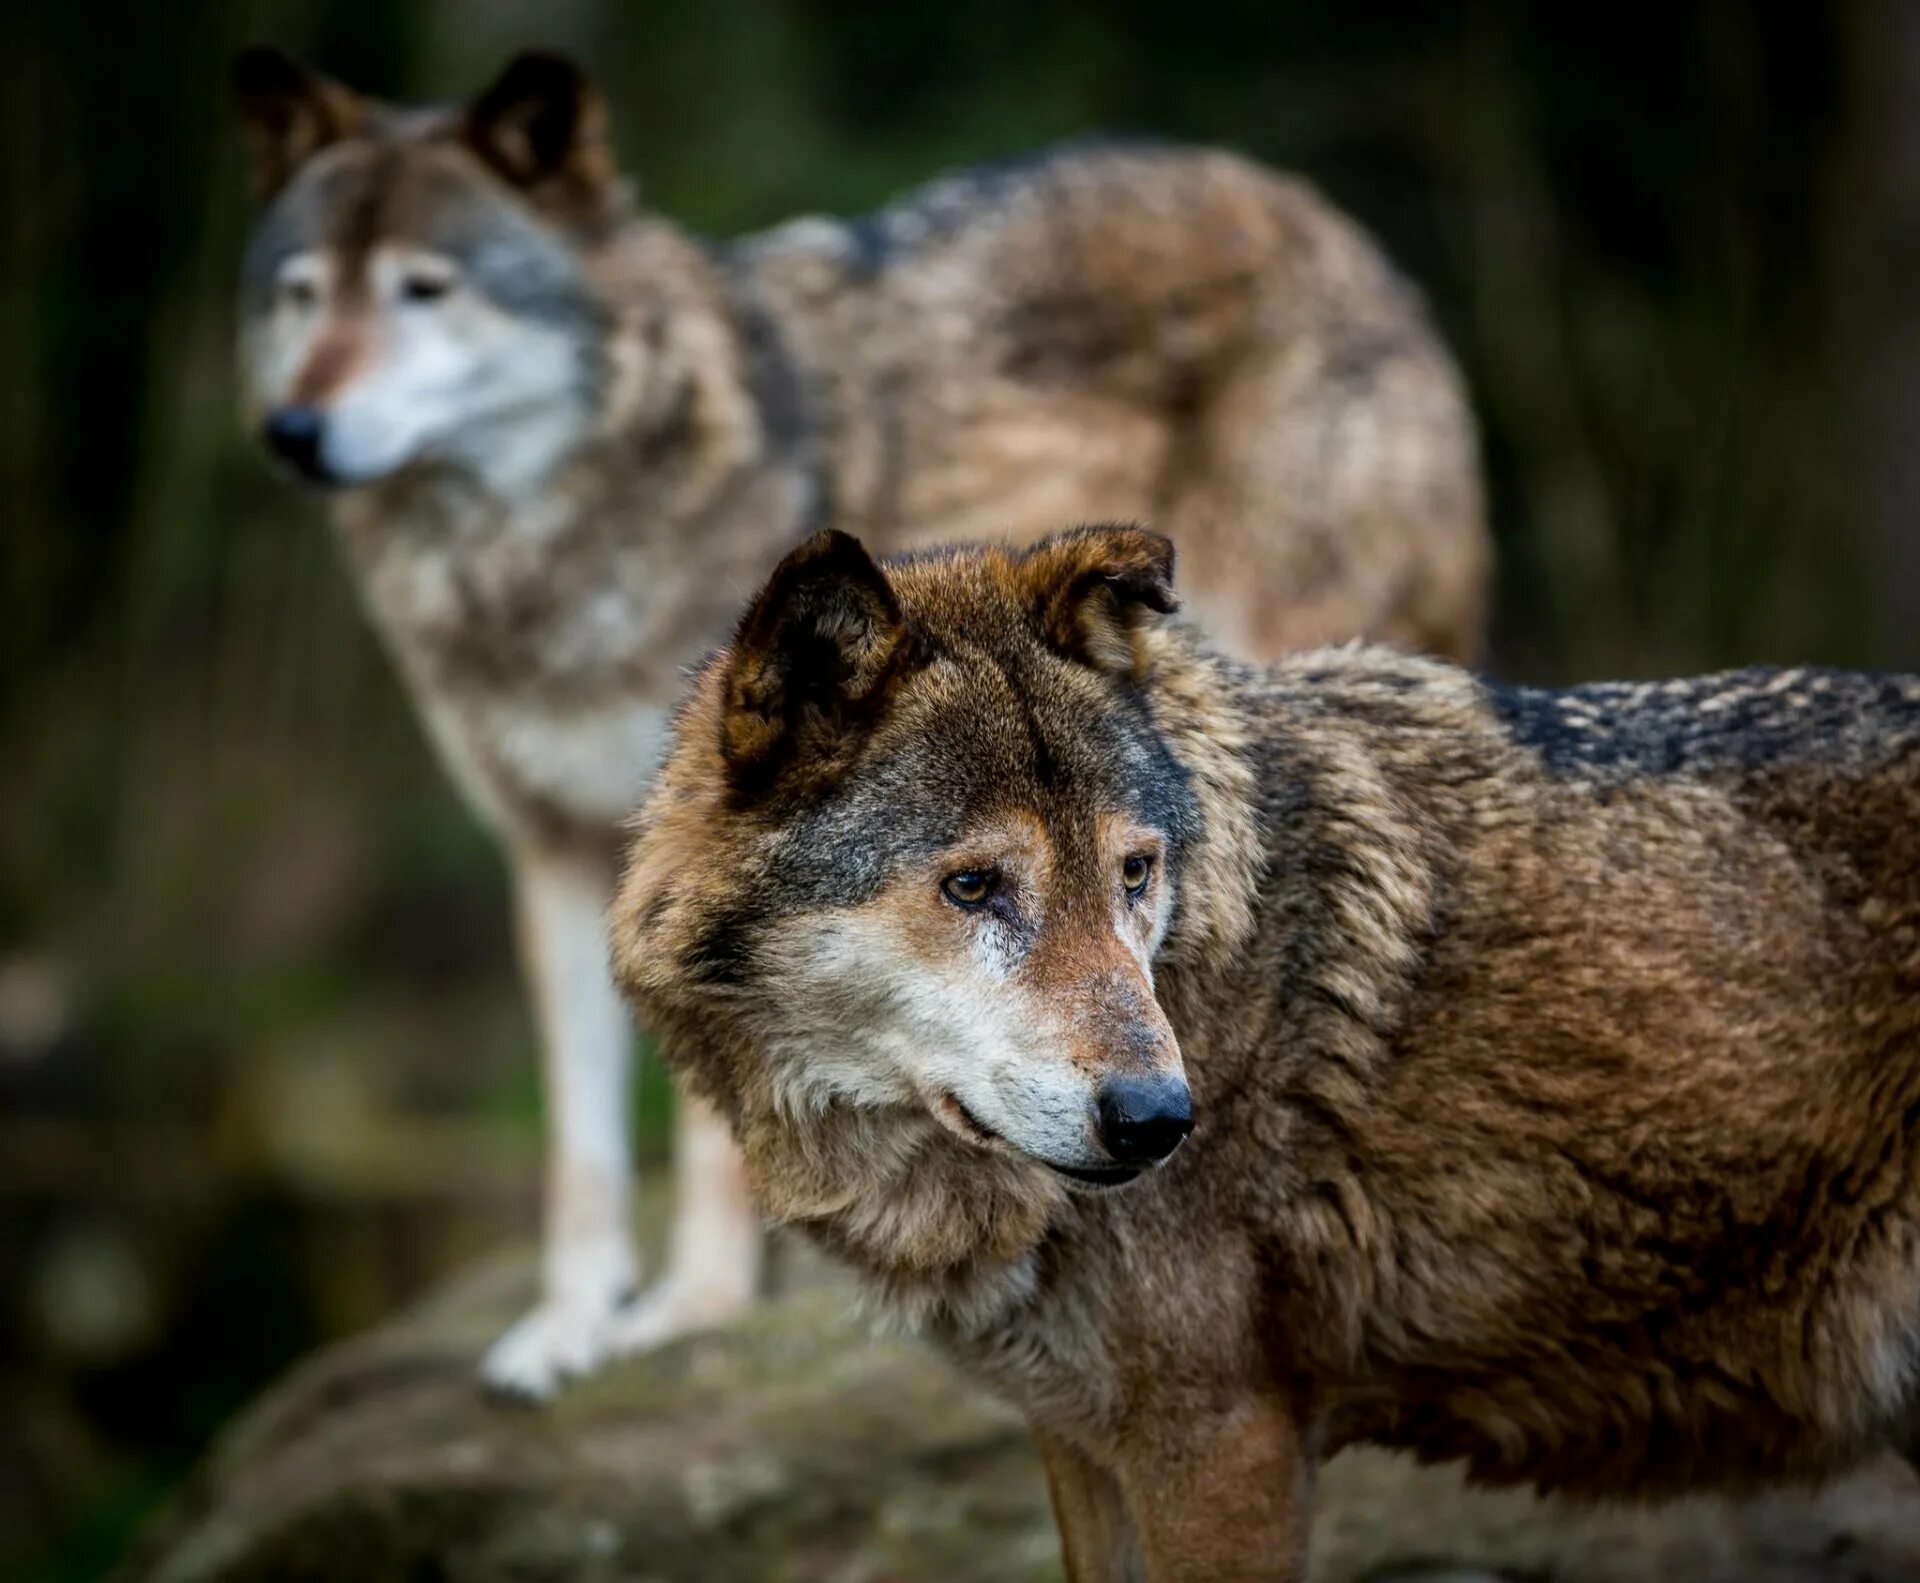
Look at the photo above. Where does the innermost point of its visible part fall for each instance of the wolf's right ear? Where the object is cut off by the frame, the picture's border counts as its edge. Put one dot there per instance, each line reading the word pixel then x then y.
pixel 290 113
pixel 542 126
pixel 814 660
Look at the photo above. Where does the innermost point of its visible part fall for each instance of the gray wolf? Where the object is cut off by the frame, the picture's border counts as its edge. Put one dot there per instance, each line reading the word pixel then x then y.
pixel 1231 1064
pixel 563 438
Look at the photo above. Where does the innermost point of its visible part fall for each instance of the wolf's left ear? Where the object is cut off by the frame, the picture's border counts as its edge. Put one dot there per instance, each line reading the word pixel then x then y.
pixel 542 126
pixel 1094 588
pixel 813 662
pixel 290 113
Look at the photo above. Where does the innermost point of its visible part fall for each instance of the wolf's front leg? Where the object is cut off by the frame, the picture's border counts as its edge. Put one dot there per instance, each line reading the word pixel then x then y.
pixel 1219 1493
pixel 1097 1541
pixel 588 1265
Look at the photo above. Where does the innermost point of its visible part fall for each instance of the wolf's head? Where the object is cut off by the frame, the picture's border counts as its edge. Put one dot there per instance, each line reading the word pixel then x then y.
pixel 917 847
pixel 415 288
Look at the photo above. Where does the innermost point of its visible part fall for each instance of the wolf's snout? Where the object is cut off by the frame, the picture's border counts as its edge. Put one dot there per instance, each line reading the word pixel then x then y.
pixel 1142 1120
pixel 294 434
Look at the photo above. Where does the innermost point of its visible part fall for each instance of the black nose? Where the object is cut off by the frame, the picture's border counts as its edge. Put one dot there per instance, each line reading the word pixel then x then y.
pixel 293 434
pixel 1141 1120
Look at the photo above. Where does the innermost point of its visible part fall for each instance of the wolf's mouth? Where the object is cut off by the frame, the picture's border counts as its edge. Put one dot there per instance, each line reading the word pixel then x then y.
pixel 966 1122
pixel 1098 1175
pixel 963 1121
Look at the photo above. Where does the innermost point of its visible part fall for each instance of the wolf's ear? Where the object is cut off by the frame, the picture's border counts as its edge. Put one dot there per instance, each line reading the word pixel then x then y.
pixel 812 665
pixel 542 126
pixel 1094 588
pixel 290 113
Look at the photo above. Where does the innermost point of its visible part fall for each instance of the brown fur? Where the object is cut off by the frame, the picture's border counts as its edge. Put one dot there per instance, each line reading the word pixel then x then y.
pixel 1555 1057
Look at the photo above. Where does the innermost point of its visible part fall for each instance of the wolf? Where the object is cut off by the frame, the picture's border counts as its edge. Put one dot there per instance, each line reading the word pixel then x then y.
pixel 1231 1064
pixel 563 438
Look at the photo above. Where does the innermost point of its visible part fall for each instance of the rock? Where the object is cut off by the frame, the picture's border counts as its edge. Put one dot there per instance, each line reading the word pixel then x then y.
pixel 793 1446
pixel 797 1447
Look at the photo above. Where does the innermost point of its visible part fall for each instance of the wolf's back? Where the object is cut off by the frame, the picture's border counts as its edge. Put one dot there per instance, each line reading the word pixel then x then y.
pixel 1823 765
pixel 1736 724
pixel 1118 330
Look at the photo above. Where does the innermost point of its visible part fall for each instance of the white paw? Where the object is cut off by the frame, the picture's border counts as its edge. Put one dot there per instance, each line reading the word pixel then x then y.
pixel 677 1307
pixel 564 1339
pixel 556 1342
pixel 589 1286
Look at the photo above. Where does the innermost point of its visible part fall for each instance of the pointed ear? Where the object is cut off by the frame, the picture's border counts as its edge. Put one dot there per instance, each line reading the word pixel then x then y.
pixel 542 126
pixel 812 665
pixel 290 113
pixel 1095 588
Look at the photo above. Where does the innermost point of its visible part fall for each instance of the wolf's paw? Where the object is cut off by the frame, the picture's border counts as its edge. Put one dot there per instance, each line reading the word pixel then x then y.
pixel 678 1306
pixel 589 1289
pixel 556 1342
pixel 565 1339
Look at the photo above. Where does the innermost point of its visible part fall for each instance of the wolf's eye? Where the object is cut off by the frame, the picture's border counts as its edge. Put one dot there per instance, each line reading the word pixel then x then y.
pixel 969 888
pixel 424 288
pixel 299 294
pixel 1135 872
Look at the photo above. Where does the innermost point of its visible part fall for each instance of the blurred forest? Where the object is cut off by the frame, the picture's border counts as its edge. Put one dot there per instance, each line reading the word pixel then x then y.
pixel 264 1067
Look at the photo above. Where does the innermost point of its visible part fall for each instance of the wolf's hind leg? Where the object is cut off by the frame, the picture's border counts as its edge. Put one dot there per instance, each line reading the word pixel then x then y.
pixel 713 1253
pixel 588 1266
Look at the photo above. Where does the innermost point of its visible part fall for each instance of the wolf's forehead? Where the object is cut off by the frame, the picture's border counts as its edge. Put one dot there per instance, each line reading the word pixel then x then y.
pixel 981 740
pixel 423 194
pixel 1020 716
pixel 337 200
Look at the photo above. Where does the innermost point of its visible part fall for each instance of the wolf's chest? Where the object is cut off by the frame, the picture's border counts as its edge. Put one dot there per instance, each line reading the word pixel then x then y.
pixel 544 593
pixel 528 656
pixel 581 763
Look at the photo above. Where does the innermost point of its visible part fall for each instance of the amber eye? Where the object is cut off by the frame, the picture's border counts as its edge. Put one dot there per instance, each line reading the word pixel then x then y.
pixel 969 888
pixel 1135 872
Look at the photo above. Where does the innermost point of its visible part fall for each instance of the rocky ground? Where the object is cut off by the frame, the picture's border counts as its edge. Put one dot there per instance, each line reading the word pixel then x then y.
pixel 798 1448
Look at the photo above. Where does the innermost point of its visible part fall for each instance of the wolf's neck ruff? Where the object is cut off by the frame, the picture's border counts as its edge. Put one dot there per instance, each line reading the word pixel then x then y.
pixel 942 1236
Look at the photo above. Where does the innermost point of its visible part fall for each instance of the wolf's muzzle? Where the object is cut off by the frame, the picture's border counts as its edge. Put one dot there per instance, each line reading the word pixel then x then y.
pixel 1142 1120
pixel 294 434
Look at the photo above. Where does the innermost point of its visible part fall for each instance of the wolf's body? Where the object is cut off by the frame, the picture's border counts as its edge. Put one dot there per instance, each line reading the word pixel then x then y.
pixel 1553 1057
pixel 576 437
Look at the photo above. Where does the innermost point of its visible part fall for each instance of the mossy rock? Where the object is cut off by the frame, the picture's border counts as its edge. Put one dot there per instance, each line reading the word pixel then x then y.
pixel 798 1447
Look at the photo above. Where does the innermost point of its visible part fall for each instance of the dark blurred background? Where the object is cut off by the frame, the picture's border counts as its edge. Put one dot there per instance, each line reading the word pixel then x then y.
pixel 264 1067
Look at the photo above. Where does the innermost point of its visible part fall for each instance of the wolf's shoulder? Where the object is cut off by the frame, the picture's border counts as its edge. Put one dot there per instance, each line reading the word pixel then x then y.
pixel 1731 721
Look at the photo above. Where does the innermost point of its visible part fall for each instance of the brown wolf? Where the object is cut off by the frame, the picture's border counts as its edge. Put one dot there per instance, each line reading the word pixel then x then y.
pixel 1551 1059
pixel 565 438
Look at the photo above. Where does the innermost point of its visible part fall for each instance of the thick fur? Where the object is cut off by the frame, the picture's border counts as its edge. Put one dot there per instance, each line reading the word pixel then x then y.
pixel 1554 1056
pixel 566 438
